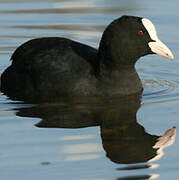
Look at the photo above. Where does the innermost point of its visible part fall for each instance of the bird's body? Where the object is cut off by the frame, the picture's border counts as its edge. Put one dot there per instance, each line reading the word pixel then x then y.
pixel 49 68
pixel 57 69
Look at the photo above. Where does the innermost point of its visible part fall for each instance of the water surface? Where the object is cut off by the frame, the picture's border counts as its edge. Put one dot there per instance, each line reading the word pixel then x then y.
pixel 103 139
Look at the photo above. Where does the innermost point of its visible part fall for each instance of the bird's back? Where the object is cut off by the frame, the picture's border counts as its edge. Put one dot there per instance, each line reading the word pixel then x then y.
pixel 51 67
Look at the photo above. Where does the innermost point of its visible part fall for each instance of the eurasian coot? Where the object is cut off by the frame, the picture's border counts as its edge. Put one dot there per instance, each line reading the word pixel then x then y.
pixel 54 67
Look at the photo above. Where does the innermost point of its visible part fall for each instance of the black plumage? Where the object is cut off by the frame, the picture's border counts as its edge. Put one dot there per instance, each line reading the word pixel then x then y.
pixel 54 67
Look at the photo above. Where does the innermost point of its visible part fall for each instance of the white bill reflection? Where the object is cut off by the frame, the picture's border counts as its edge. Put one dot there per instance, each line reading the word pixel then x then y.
pixel 154 176
pixel 154 166
pixel 166 140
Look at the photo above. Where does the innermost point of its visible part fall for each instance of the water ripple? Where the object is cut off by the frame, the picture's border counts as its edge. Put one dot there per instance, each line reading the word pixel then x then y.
pixel 69 11
pixel 160 90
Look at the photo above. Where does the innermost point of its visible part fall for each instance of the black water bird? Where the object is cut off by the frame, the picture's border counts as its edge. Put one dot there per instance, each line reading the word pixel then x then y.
pixel 54 67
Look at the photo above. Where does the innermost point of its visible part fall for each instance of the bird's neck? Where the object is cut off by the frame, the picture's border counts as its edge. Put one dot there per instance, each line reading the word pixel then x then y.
pixel 120 80
pixel 117 68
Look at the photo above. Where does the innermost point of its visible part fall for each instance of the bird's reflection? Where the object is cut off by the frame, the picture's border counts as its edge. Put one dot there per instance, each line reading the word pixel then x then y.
pixel 124 139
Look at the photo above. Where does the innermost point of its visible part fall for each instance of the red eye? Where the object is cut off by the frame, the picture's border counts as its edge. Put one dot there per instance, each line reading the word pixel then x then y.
pixel 140 32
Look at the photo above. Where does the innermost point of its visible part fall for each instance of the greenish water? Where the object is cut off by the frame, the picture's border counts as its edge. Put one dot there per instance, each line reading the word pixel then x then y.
pixel 98 140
